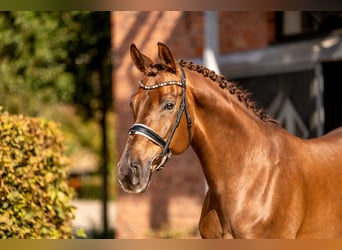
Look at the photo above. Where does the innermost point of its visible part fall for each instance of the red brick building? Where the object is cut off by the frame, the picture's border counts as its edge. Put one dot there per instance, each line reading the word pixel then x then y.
pixel 174 199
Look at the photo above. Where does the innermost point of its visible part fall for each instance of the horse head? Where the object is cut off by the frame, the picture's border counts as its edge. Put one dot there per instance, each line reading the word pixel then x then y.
pixel 162 123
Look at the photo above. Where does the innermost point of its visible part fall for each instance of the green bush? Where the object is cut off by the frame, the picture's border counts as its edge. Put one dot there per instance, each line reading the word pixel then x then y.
pixel 34 193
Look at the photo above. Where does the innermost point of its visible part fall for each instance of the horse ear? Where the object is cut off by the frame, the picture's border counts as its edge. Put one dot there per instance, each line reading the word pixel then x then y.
pixel 141 61
pixel 166 57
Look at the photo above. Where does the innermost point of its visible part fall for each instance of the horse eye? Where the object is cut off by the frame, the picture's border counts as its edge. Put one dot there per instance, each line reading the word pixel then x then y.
pixel 169 106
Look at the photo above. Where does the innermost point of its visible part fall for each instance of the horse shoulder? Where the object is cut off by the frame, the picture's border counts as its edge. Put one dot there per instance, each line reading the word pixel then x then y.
pixel 277 203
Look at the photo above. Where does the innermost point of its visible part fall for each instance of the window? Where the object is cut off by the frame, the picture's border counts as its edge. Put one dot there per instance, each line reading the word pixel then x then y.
pixel 300 25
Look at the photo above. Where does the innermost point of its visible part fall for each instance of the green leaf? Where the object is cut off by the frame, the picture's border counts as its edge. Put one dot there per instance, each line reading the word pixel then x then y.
pixel 81 233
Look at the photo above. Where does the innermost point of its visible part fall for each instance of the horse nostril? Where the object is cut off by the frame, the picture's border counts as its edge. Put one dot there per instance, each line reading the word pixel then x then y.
pixel 135 174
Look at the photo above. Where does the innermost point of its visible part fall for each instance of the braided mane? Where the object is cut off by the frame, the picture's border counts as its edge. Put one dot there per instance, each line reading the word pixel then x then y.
pixel 242 95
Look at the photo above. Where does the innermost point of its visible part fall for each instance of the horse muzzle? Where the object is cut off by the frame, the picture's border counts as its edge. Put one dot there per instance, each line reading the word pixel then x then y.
pixel 133 177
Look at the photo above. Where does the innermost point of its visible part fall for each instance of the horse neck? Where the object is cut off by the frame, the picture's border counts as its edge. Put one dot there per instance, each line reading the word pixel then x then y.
pixel 224 129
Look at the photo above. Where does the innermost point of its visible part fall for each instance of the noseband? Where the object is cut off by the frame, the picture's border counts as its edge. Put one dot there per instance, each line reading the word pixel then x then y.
pixel 150 134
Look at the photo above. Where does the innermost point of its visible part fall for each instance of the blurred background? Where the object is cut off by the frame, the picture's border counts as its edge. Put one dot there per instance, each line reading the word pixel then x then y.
pixel 74 68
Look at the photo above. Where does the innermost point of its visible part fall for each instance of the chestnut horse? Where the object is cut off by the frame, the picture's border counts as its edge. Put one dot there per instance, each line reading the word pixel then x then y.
pixel 263 182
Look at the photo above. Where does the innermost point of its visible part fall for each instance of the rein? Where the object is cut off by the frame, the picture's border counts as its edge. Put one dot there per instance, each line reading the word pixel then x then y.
pixel 142 129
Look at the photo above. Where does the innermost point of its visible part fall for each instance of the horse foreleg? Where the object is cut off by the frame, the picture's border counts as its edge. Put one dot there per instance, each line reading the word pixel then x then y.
pixel 210 226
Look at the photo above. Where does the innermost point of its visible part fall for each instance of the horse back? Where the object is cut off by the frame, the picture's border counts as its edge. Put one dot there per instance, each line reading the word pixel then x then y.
pixel 327 150
pixel 325 159
pixel 323 180
pixel 335 131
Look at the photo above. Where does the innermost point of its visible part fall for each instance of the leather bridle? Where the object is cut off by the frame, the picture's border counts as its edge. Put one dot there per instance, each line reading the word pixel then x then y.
pixel 144 130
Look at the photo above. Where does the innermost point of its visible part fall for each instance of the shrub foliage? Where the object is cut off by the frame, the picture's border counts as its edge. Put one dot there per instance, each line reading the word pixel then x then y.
pixel 34 193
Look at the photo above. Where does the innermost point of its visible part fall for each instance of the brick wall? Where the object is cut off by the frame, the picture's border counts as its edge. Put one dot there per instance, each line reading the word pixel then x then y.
pixel 241 31
pixel 175 196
